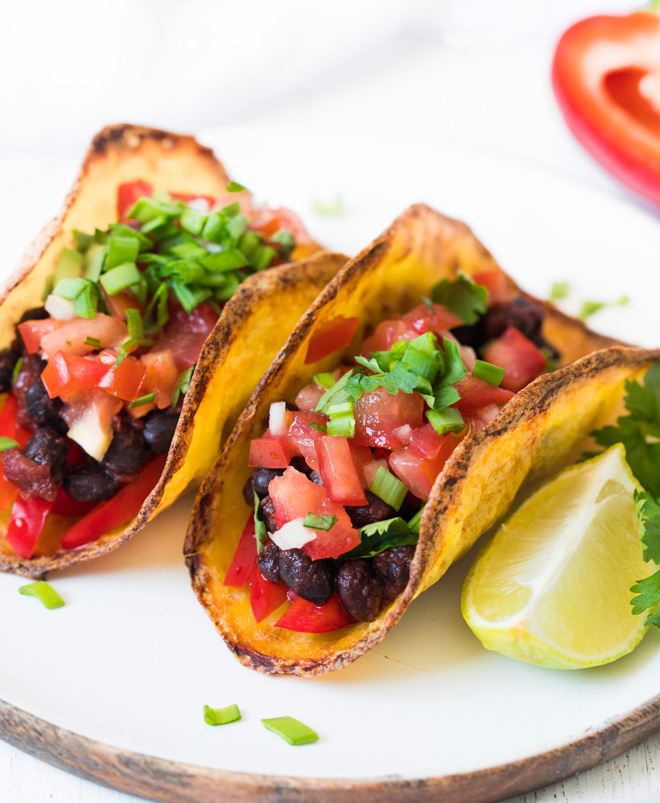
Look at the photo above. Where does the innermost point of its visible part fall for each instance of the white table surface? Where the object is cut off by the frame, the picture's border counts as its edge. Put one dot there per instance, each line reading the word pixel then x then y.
pixel 488 87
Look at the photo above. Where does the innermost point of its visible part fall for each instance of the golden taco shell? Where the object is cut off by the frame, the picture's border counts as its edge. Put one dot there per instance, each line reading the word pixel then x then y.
pixel 534 433
pixel 253 326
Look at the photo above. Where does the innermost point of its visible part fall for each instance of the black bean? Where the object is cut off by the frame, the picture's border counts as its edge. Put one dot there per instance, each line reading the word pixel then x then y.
pixel 298 462
pixel 8 360
pixel 34 314
pixel 90 483
pixel 309 579
pixel 28 475
pixel 524 314
pixel 259 481
pixel 360 589
pixel 48 448
pixel 374 510
pixel 393 565
pixel 43 410
pixel 268 561
pixel 159 430
pixel 267 510
pixel 126 455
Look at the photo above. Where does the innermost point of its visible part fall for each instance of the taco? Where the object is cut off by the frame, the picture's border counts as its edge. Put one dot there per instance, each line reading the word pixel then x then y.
pixel 166 294
pixel 397 424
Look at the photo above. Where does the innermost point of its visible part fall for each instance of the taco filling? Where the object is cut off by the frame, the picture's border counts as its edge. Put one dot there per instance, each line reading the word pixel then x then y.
pixel 96 376
pixel 341 478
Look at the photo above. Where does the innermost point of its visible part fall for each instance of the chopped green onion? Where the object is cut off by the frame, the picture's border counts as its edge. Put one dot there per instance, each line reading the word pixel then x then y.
pixel 414 523
pixel 591 307
pixel 86 302
pixel 231 259
pixel 237 225
pixel 159 304
pixel 94 262
pixel 221 716
pixel 146 209
pixel 17 370
pixel 120 278
pixel 94 342
pixel 559 290
pixel 69 264
pixel 388 488
pixel 342 425
pixel 190 295
pixel 551 361
pixel 262 257
pixel 428 304
pixel 324 380
pixel 120 250
pixel 228 289
pixel 234 186
pixel 69 288
pixel 142 400
pixel 7 443
pixel 82 240
pixel 188 250
pixel 286 242
pixel 317 427
pixel 314 522
pixel 339 408
pixel 260 531
pixel 231 210
pixel 249 242
pixel 122 230
pixel 44 592
pixel 447 420
pixel 215 228
pixel 183 384
pixel 492 374
pixel 192 220
pixel 134 323
pixel 291 730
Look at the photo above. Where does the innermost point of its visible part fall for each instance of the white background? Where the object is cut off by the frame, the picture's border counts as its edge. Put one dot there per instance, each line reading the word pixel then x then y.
pixel 475 72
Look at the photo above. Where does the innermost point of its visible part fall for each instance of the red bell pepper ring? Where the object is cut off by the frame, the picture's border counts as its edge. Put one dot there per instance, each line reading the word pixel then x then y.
pixel 606 74
pixel 265 596
pixel 305 617
pixel 332 336
pixel 244 556
pixel 28 517
pixel 116 511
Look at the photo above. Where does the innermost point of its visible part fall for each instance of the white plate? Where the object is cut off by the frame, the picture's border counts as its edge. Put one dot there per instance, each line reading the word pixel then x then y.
pixel 131 660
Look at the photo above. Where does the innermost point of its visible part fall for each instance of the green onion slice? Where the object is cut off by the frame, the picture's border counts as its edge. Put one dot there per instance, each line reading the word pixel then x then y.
pixel 221 716
pixel 559 290
pixel 260 531
pixel 134 323
pixel 148 399
pixel 94 342
pixel 291 730
pixel 120 278
pixel 492 374
pixel 234 186
pixel 17 370
pixel 324 380
pixel 44 592
pixel 447 420
pixel 7 443
pixel 413 524
pixel 318 427
pixel 388 488
pixel 315 522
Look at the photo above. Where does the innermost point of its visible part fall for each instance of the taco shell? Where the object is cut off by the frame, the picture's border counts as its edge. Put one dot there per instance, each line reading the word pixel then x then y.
pixel 253 326
pixel 537 431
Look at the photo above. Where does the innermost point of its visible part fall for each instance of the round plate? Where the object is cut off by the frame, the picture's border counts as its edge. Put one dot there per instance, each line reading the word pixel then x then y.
pixel 131 659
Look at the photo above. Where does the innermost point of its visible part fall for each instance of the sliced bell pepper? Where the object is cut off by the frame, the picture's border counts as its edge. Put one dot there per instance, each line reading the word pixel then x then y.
pixel 116 511
pixel 305 617
pixel 28 517
pixel 9 426
pixel 606 78
pixel 244 556
pixel 265 596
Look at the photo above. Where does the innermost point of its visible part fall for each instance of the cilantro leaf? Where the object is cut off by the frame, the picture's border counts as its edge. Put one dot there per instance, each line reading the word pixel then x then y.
pixel 648 515
pixel 648 591
pixel 462 296
pixel 381 535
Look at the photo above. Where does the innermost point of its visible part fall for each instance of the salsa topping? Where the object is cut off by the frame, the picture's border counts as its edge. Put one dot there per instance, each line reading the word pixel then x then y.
pixel 340 479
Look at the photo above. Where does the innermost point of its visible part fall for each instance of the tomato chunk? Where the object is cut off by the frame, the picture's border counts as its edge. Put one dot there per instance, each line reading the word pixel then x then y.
pixel 71 337
pixel 417 472
pixel 65 376
pixel 124 380
pixel 423 320
pixel 379 413
pixel 265 596
pixel 186 334
pixel 386 335
pixel 128 193
pixel 28 517
pixel 33 331
pixel 426 442
pixel 520 358
pixel 338 471
pixel 271 451
pixel 294 496
pixel 477 393
pixel 161 376
pixel 495 282
pixel 302 438
pixel 305 617
pixel 332 336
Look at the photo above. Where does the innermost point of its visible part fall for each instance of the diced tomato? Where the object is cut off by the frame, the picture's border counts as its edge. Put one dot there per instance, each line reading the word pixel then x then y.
pixel 387 334
pixel 65 376
pixel 185 334
pixel 28 517
pixel 129 193
pixel 270 451
pixel 482 418
pixel 379 413
pixel 305 617
pixel 9 426
pixel 270 221
pixel 309 397
pixel 124 380
pixel 477 393
pixel 331 336
pixel 338 472
pixel 419 473
pixel 66 505
pixel 426 442
pixel 495 282
pixel 363 460
pixel 520 358
pixel 70 337
pixel 294 496
pixel 265 596
pixel 244 557
pixel 116 511
pixel 161 376
pixel 33 331
pixel 423 321
pixel 302 438
pixel 119 303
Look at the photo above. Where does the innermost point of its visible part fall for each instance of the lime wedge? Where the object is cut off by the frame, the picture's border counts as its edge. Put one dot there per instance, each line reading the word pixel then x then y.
pixel 552 587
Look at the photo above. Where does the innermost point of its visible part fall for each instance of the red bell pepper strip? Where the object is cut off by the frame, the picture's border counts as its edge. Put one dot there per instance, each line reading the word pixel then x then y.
pixel 265 596
pixel 606 78
pixel 244 556
pixel 9 426
pixel 330 337
pixel 65 505
pixel 28 516
pixel 116 511
pixel 305 617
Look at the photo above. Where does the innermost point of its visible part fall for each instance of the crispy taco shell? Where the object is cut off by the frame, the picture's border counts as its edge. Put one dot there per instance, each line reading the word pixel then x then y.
pixel 534 433
pixel 253 326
